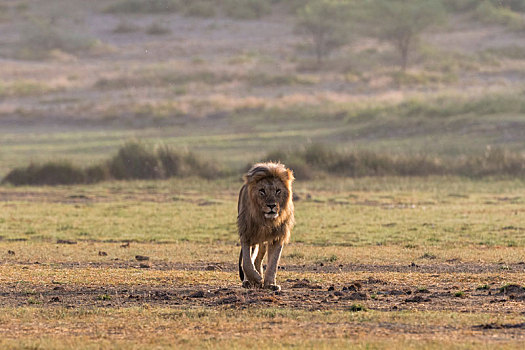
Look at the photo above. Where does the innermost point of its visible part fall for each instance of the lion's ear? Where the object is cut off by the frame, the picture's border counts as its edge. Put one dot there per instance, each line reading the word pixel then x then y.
pixel 256 174
pixel 289 175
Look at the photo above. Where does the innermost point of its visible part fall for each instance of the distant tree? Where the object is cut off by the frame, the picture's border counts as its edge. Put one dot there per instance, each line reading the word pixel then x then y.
pixel 401 22
pixel 324 22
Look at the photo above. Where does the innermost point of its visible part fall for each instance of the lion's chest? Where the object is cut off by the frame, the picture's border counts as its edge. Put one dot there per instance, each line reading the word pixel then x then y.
pixel 263 233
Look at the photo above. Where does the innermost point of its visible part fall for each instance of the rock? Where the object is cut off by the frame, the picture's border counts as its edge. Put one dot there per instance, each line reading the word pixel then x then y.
pixel 141 257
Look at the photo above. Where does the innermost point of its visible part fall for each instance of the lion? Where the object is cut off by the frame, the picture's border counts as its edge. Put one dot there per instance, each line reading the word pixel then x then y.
pixel 264 221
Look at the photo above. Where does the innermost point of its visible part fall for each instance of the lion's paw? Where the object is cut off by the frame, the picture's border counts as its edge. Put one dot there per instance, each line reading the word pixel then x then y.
pixel 251 284
pixel 273 287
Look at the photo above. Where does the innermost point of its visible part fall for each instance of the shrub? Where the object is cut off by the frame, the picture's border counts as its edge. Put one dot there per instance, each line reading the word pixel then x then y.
pixel 514 5
pixel 205 169
pixel 126 27
pixel 172 162
pixel 39 38
pixel 203 9
pixel 460 5
pixel 487 12
pixel 51 173
pixel 97 173
pixel 318 159
pixel 144 6
pixel 493 162
pixel 157 29
pixel 134 161
pixel 246 9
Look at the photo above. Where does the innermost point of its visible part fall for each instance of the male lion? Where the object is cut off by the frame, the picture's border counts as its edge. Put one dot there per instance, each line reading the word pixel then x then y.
pixel 265 219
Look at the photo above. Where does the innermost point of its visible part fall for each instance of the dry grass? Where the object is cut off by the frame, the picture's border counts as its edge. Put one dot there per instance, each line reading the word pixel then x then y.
pixel 228 89
pixel 170 328
pixel 96 277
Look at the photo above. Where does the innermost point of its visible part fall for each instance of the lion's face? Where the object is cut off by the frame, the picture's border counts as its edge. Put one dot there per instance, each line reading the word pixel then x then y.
pixel 271 196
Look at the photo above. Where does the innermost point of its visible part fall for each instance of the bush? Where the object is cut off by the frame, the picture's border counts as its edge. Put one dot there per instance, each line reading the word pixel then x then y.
pixel 125 26
pixel 157 29
pixel 320 159
pixel 203 9
pixel 493 162
pixel 144 6
pixel 460 5
pixel 39 38
pixel 514 5
pixel 51 173
pixel 97 173
pixel 247 9
pixel 205 169
pixel 135 161
pixel 487 12
pixel 172 162
pixel 132 161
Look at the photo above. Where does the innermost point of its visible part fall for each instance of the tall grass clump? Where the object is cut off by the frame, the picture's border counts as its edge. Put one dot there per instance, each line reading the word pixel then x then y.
pixel 493 162
pixel 133 161
pixel 320 160
pixel 51 173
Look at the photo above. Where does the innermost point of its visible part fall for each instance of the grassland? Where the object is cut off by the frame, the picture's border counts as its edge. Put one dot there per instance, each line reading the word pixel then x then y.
pixel 410 263
pixel 374 262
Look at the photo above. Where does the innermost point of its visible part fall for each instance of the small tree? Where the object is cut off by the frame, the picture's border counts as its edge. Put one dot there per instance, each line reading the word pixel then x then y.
pixel 401 22
pixel 324 23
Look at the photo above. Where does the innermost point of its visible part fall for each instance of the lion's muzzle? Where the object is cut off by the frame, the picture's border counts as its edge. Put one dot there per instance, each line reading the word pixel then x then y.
pixel 272 211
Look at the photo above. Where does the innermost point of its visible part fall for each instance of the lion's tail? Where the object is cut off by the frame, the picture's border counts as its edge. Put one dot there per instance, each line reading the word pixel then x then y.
pixel 241 272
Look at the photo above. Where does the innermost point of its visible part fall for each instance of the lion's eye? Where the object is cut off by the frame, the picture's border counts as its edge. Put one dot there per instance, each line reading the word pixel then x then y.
pixel 262 192
pixel 278 191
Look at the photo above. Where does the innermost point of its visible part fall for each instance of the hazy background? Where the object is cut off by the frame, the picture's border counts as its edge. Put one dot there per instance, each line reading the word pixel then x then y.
pixel 429 82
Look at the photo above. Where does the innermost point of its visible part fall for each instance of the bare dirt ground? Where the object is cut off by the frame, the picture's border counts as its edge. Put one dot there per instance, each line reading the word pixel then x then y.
pixel 376 294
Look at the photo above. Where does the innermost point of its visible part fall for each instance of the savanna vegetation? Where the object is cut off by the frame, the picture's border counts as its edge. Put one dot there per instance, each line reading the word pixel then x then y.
pixel 125 127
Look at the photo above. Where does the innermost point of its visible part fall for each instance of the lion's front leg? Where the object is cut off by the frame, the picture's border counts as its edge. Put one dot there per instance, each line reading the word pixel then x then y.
pixel 258 262
pixel 252 278
pixel 274 254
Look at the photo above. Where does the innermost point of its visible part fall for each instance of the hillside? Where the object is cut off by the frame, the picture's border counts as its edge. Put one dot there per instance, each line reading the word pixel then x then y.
pixel 78 79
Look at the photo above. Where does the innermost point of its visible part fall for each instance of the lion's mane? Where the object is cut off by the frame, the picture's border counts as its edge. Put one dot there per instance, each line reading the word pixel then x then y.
pixel 253 227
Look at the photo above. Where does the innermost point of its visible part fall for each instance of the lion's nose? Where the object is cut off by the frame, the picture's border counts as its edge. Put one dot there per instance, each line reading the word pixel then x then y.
pixel 271 206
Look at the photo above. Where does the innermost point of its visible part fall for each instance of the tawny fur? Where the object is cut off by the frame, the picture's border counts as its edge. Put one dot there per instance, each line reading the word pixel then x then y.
pixel 254 228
